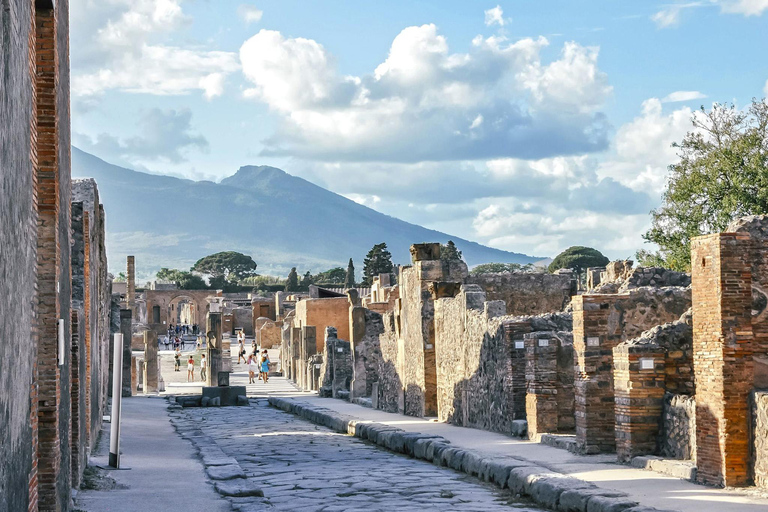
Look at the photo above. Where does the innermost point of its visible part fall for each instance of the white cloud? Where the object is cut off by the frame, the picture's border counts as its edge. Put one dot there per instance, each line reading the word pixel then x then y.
pixel 422 102
pixel 495 16
pixel 745 7
pixel 249 13
pixel 122 45
pixel 679 96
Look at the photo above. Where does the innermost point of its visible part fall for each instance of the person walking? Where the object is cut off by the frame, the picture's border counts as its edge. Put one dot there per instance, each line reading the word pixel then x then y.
pixel 240 351
pixel 265 366
pixel 203 367
pixel 253 368
pixel 177 361
pixel 190 369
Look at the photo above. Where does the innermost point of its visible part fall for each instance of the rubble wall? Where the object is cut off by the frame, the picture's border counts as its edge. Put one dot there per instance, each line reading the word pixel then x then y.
pixel 526 293
pixel 678 434
pixel 389 385
pixel 760 438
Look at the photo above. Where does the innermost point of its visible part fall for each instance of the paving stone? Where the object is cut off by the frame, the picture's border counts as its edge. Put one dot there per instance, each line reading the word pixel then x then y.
pixel 238 488
pixel 228 472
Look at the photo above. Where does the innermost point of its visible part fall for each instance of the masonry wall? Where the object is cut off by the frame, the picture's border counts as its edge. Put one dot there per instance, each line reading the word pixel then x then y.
pixel 527 293
pixel 389 385
pixel 18 235
pixel 322 313
pixel 365 327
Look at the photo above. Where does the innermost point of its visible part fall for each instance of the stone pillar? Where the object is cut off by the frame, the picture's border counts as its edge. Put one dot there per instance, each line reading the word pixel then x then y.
pixel 295 354
pixel 150 362
pixel 639 385
pixel 593 340
pixel 358 386
pixel 214 339
pixel 514 376
pixel 722 356
pixel 134 375
pixel 126 318
pixel 541 378
pixel 308 348
pixel 130 287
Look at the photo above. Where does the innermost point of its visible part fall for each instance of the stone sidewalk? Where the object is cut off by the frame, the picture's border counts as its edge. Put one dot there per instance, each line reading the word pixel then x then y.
pixel 164 472
pixel 545 473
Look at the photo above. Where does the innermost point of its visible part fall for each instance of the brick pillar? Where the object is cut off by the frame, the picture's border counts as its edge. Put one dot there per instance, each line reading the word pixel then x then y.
pixel 593 343
pixel 130 277
pixel 126 318
pixel 134 375
pixel 48 262
pixel 150 362
pixel 722 356
pixel 639 385
pixel 514 377
pixel 541 378
pixel 79 449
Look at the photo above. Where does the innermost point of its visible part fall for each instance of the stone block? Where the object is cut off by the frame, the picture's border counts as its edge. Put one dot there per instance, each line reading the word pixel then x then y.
pixel 425 251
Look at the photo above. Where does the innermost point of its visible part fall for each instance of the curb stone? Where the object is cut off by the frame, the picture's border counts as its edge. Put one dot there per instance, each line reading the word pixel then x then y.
pixel 546 488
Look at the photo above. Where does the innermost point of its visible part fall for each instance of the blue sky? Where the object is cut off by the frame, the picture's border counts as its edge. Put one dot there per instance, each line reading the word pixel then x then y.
pixel 526 125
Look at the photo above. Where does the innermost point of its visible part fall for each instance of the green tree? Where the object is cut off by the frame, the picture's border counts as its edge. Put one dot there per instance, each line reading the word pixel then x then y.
pixel 449 252
pixel 120 278
pixel 307 281
pixel 377 261
pixel 334 276
pixel 292 284
pixel 578 258
pixel 497 268
pixel 722 175
pixel 349 279
pixel 230 265
pixel 183 279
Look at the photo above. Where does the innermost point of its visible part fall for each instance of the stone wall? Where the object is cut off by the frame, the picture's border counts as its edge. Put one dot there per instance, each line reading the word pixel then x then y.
pixel 527 293
pixel 243 319
pixel 678 431
pixel 365 329
pixel 760 438
pixel 389 385
pixel 336 372
pixel 323 313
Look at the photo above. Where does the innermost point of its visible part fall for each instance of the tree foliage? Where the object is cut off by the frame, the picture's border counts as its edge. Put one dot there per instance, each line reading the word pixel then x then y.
pixel 229 265
pixel 334 276
pixel 497 268
pixel 722 175
pixel 120 278
pixel 292 284
pixel 449 252
pixel 349 279
pixel 578 258
pixel 377 261
pixel 306 281
pixel 183 279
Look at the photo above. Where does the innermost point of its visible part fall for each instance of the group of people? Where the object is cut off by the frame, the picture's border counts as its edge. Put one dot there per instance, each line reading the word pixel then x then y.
pixel 180 330
pixel 174 341
pixel 190 365
pixel 257 361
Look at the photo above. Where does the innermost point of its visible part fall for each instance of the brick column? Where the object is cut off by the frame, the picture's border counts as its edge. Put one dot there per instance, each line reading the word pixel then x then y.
pixel 722 356
pixel 130 278
pixel 48 262
pixel 150 362
pixel 639 375
pixel 514 375
pixel 126 318
pixel 79 448
pixel 593 357
pixel 541 378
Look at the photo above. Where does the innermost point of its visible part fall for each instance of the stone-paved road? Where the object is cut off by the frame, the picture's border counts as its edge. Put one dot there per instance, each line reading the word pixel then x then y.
pixel 301 466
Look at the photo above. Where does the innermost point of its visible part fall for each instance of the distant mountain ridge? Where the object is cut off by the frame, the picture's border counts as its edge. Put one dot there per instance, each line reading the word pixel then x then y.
pixel 279 219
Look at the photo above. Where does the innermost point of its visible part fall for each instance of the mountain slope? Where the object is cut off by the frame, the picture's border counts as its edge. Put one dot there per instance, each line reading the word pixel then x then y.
pixel 279 219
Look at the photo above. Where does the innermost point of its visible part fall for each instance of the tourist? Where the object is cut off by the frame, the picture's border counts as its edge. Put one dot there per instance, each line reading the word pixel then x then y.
pixel 190 369
pixel 202 367
pixel 253 368
pixel 240 351
pixel 177 361
pixel 254 348
pixel 265 366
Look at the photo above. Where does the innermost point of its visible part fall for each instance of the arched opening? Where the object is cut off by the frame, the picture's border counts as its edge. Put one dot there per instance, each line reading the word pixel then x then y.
pixel 182 310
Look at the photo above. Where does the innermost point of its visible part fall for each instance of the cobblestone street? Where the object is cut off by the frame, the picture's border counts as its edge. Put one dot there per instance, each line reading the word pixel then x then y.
pixel 301 466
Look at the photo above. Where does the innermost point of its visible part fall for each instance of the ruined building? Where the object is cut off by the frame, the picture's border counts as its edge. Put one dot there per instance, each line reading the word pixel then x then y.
pixel 54 312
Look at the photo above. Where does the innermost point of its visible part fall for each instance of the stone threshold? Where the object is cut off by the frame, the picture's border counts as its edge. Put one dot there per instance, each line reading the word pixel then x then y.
pixel 547 488
pixel 685 469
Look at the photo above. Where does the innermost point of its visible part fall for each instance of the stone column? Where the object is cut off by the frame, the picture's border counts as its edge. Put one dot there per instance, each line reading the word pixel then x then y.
pixel 722 356
pixel 213 348
pixel 308 348
pixel 134 375
pixel 295 354
pixel 130 277
pixel 359 384
pixel 150 362
pixel 126 318
pixel 541 377
pixel 639 381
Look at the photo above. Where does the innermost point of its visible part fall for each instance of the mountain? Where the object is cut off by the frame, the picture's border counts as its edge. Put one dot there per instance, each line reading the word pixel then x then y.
pixel 280 220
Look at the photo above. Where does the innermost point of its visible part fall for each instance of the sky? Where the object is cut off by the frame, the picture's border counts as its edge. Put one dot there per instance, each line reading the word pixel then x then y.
pixel 526 125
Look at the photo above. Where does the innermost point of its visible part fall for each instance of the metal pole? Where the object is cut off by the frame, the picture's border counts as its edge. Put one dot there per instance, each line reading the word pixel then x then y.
pixel 117 384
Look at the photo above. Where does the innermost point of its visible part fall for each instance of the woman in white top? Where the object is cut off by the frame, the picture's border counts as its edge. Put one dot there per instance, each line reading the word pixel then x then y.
pixel 253 368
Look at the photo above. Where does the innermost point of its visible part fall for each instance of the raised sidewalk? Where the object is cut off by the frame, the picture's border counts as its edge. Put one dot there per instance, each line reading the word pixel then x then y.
pixel 553 477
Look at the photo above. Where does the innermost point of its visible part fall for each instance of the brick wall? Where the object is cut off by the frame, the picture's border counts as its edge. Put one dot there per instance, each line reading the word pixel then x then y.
pixel 549 396
pixel 722 343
